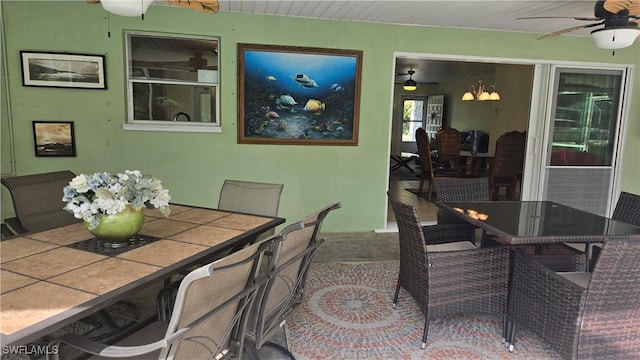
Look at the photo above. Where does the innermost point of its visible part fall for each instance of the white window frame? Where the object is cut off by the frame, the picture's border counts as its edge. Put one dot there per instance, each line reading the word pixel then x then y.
pixel 182 126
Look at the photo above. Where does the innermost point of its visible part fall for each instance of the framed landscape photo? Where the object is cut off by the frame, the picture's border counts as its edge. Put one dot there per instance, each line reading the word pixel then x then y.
pixel 54 138
pixel 63 70
pixel 298 95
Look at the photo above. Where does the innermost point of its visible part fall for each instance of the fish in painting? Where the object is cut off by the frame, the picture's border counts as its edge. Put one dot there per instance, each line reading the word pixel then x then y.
pixel 337 88
pixel 305 81
pixel 285 101
pixel 314 106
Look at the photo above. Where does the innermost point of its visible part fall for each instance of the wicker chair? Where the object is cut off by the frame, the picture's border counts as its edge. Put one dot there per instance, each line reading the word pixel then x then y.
pixel 449 146
pixel 581 315
pixel 628 210
pixel 445 275
pixel 288 266
pixel 460 189
pixel 37 201
pixel 506 166
pixel 209 317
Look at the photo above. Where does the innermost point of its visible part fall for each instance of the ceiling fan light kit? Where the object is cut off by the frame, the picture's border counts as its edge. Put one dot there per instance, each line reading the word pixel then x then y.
pixel 410 85
pixel 615 38
pixel 483 93
pixel 126 7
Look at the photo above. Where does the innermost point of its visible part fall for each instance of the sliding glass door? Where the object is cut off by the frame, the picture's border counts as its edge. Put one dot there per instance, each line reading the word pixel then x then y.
pixel 583 137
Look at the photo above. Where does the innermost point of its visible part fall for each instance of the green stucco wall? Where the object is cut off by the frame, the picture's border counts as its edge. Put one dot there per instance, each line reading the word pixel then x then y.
pixel 194 165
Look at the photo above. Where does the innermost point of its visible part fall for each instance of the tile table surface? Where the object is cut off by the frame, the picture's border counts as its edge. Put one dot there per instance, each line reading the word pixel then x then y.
pixel 46 284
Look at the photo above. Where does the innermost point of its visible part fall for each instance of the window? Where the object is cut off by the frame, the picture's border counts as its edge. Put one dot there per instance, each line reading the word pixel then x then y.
pixel 413 113
pixel 585 119
pixel 172 83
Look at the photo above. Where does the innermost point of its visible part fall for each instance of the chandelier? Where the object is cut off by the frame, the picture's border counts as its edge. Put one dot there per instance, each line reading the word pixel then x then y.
pixel 482 93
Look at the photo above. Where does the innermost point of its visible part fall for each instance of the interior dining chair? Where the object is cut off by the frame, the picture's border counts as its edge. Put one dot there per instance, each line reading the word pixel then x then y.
pixel 506 167
pixel 37 201
pixel 427 172
pixel 449 143
pixel 445 272
pixel 289 263
pixel 581 315
pixel 208 320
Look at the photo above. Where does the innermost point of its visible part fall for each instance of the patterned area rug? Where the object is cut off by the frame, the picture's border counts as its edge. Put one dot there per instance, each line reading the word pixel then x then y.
pixel 347 314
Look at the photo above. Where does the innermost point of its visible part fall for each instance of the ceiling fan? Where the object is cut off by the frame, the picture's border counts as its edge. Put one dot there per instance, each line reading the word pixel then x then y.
pixel 139 7
pixel 618 17
pixel 410 84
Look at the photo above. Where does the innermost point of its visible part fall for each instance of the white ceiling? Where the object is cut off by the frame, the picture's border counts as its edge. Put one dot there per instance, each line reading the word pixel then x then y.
pixel 473 14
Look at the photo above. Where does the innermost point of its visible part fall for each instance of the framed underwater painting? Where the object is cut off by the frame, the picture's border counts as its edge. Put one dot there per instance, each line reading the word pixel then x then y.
pixel 298 95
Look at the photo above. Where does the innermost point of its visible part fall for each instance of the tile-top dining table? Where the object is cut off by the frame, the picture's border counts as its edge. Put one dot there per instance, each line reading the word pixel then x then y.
pixel 537 222
pixel 54 277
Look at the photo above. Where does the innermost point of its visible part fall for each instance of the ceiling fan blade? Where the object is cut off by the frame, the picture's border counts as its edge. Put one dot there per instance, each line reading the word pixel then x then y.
pixel 560 17
pixel 568 30
pixel 207 6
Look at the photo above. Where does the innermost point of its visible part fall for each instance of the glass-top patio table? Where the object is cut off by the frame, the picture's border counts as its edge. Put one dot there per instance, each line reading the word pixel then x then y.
pixel 54 277
pixel 537 222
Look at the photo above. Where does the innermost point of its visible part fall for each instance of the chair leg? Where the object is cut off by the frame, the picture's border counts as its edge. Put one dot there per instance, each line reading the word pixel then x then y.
pixel 395 297
pixel 430 189
pixel 421 186
pixel 424 333
pixel 511 337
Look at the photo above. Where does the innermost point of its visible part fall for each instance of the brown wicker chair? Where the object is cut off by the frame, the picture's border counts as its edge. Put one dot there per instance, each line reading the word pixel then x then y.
pixel 449 146
pixel 289 263
pixel 579 314
pixel 209 318
pixel 506 166
pixel 445 273
pixel 37 201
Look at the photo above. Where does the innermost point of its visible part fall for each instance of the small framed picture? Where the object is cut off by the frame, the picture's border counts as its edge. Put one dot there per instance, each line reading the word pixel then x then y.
pixel 54 138
pixel 63 70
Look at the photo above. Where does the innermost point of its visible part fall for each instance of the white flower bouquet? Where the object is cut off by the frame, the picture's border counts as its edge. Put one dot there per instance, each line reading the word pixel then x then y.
pixel 89 197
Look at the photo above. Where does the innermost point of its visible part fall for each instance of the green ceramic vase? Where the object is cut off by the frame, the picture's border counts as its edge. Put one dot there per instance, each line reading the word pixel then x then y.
pixel 116 230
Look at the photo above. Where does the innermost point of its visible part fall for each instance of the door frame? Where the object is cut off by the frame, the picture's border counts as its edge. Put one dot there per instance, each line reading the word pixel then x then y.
pixel 535 154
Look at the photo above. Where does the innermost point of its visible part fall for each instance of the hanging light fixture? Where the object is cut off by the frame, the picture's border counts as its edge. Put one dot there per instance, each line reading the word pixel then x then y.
pixel 615 38
pixel 126 7
pixel 410 85
pixel 482 93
